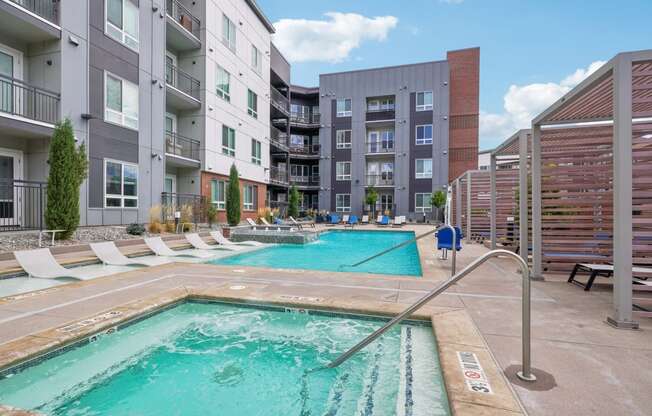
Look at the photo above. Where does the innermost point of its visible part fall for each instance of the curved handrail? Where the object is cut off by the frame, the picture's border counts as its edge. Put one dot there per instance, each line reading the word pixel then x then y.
pixel 526 372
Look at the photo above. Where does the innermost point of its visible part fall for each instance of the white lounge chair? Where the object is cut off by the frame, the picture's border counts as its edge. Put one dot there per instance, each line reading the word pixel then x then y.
pixel 345 219
pixel 196 241
pixel 379 219
pixel 251 222
pixel 301 224
pixel 158 246
pixel 42 264
pixel 220 239
pixel 365 220
pixel 109 254
pixel 606 270
pixel 264 221
pixel 398 221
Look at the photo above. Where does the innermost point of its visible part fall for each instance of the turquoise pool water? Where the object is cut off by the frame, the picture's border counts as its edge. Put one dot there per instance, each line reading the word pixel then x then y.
pixel 336 249
pixel 217 359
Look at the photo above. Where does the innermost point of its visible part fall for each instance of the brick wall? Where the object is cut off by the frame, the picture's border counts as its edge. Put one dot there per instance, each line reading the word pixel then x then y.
pixel 464 111
pixel 206 178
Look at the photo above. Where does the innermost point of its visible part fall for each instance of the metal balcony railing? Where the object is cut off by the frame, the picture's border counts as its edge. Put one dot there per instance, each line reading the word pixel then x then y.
pixel 278 138
pixel 280 101
pixel 311 180
pixel 191 206
pixel 380 109
pixel 182 15
pixel 386 146
pixel 309 150
pixel 22 205
pixel 178 145
pixel 21 99
pixel 47 9
pixel 384 179
pixel 278 175
pixel 182 81
pixel 302 118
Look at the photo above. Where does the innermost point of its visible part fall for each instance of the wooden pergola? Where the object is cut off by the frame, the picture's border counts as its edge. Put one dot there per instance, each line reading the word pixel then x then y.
pixel 591 173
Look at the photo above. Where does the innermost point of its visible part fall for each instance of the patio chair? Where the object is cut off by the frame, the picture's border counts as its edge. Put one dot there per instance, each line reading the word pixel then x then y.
pixel 605 270
pixel 264 221
pixel 398 221
pixel 300 224
pixel 384 221
pixel 379 219
pixel 158 246
pixel 109 254
pixel 445 239
pixel 353 220
pixel 196 241
pixel 335 219
pixel 365 220
pixel 220 239
pixel 345 218
pixel 42 264
pixel 251 222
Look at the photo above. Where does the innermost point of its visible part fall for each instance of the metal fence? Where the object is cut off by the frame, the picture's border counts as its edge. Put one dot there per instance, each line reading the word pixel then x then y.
pixel 47 9
pixel 384 179
pixel 182 15
pixel 191 207
pixel 22 99
pixel 178 145
pixel 280 101
pixel 22 205
pixel 181 80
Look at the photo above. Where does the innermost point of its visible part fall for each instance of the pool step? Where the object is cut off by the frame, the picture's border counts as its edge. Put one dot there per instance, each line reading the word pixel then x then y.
pixel 421 390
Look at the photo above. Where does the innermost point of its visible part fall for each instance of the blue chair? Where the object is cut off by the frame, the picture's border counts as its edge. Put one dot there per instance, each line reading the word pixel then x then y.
pixel 445 239
pixel 334 220
pixel 353 220
pixel 384 221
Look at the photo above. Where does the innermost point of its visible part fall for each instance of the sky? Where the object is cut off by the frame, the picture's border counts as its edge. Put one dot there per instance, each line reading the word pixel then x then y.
pixel 531 52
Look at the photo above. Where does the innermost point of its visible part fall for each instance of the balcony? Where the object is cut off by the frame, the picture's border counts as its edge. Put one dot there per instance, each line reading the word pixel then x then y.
pixel 30 20
pixel 22 105
pixel 278 139
pixel 383 179
pixel 309 151
pixel 182 32
pixel 182 90
pixel 382 147
pixel 181 151
pixel 280 102
pixel 305 120
pixel 303 182
pixel 278 176
pixel 384 113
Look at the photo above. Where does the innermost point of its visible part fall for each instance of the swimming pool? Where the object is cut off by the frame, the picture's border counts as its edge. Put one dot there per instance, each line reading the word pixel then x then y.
pixel 214 358
pixel 336 249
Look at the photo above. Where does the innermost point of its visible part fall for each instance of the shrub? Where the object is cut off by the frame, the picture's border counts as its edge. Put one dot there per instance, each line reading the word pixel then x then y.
pixel 233 198
pixel 135 229
pixel 155 225
pixel 371 198
pixel 265 213
pixel 293 202
pixel 68 169
pixel 187 216
pixel 211 214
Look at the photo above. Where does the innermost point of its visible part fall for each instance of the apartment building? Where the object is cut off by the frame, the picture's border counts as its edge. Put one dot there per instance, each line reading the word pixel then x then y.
pixel 404 130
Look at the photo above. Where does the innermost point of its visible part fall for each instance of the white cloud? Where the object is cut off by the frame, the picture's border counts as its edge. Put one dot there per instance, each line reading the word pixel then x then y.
pixel 330 40
pixel 524 102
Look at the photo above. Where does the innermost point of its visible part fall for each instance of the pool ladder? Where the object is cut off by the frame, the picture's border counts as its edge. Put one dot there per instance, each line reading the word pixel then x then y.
pixel 526 372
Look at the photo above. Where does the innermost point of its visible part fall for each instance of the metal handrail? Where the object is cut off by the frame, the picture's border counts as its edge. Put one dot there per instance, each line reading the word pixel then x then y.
pixel 525 374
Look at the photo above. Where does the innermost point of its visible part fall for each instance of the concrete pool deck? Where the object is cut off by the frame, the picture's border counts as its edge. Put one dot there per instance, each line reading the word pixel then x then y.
pixel 584 366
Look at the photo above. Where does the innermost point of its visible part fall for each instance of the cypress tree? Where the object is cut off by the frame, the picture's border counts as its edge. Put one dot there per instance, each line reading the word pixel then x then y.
pixel 233 198
pixel 68 169
pixel 293 202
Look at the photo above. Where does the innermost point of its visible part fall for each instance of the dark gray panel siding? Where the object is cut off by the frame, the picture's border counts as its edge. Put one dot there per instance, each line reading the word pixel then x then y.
pixel 338 155
pixel 421 151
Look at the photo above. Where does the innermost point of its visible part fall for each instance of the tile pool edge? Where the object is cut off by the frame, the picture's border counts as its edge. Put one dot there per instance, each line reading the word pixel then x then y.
pixel 23 351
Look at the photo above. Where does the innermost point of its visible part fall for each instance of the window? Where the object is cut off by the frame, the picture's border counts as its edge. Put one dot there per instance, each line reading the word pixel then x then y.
pixel 343 171
pixel 122 22
pixel 424 134
pixel 344 107
pixel 424 101
pixel 422 203
pixel 228 33
pixel 423 168
pixel 380 104
pixel 218 189
pixel 249 197
pixel 120 184
pixel 252 104
pixel 343 202
pixel 256 153
pixel 228 141
pixel 120 101
pixel 343 139
pixel 223 81
pixel 256 59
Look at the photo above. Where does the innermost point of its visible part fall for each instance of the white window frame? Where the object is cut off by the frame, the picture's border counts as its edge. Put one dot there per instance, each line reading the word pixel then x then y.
pixel 424 174
pixel 424 140
pixel 123 34
pixel 345 112
pixel 227 150
pixel 424 107
pixel 425 200
pixel 229 37
pixel 122 185
pixel 343 176
pixel 341 134
pixel 253 112
pixel 219 203
pixel 225 95
pixel 256 152
pixel 341 207
pixel 248 206
pixel 121 114
pixel 256 59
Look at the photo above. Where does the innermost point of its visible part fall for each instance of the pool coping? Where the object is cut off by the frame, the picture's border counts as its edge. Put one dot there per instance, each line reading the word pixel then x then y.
pixel 454 332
